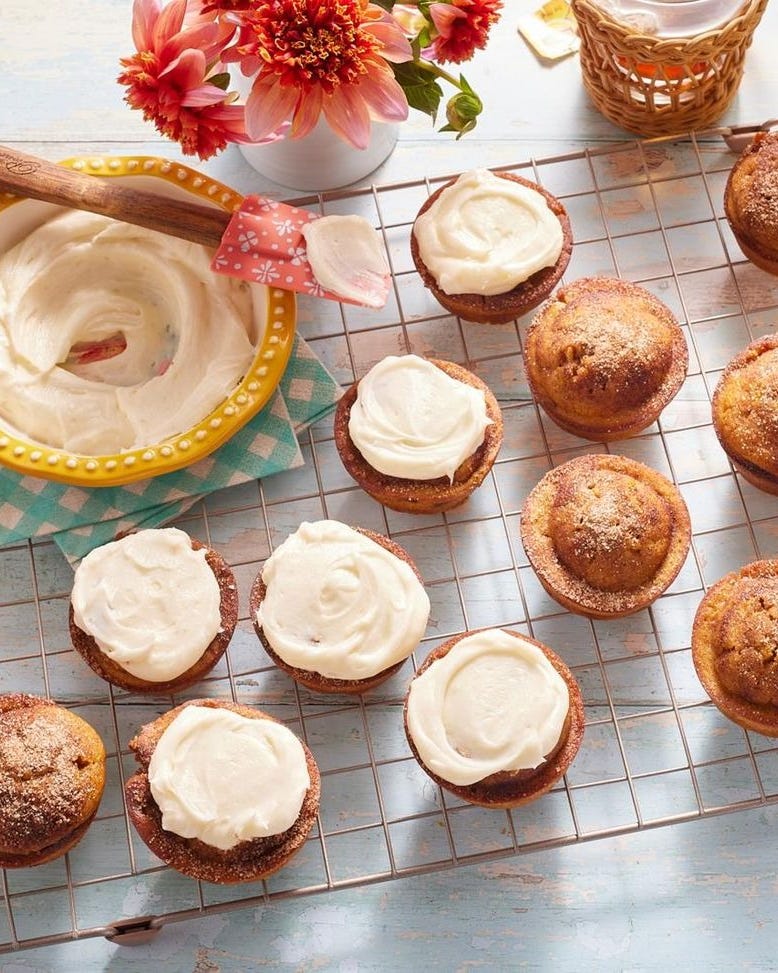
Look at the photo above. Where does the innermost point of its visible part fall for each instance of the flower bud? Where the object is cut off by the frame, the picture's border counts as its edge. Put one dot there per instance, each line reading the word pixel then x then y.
pixel 462 110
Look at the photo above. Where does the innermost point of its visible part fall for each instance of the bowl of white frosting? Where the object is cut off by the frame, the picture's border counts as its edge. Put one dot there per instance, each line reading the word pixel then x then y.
pixel 122 355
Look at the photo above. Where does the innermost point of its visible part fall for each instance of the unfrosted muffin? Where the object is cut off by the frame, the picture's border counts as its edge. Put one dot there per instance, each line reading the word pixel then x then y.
pixel 751 201
pixel 52 775
pixel 224 793
pixel 735 646
pixel 605 534
pixel 603 358
pixel 494 717
pixel 339 608
pixel 418 435
pixel 745 413
pixel 154 611
pixel 491 246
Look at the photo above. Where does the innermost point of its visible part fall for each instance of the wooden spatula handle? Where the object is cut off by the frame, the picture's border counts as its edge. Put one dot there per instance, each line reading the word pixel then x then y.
pixel 27 175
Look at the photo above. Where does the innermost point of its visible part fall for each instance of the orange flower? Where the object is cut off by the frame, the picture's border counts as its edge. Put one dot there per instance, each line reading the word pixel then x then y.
pixel 314 58
pixel 168 78
pixel 463 27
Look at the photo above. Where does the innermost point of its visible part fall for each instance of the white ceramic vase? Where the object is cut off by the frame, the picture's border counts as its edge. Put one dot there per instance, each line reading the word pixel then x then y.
pixel 321 160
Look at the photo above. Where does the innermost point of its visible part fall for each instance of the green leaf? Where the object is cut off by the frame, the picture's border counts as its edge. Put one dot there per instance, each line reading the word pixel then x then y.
pixel 421 89
pixel 220 80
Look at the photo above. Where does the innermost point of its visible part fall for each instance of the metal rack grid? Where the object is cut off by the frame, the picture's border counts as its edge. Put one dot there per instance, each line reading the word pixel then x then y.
pixel 655 750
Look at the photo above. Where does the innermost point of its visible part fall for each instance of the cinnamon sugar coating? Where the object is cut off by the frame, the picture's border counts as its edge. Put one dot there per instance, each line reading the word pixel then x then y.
pixel 604 357
pixel 511 788
pixel 745 412
pixel 112 672
pixel 501 308
pixel 606 535
pixel 751 201
pixel 422 496
pixel 247 861
pixel 315 681
pixel 735 645
pixel 52 775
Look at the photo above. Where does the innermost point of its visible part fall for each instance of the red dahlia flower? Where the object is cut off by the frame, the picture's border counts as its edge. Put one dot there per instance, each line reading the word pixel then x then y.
pixel 463 27
pixel 168 78
pixel 313 57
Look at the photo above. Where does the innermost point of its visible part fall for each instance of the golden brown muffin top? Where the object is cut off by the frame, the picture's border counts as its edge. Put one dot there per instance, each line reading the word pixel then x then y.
pixel 51 772
pixel 735 645
pixel 604 356
pixel 745 407
pixel 605 534
pixel 751 195
pixel 610 529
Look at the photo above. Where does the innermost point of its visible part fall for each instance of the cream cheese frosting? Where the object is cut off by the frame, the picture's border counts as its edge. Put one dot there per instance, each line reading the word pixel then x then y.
pixel 339 604
pixel 347 258
pixel 485 235
pixel 412 420
pixel 150 602
pixel 493 703
pixel 224 778
pixel 82 279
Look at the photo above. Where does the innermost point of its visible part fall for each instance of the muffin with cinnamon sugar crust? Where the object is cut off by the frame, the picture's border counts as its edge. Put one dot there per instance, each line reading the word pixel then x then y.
pixel 603 358
pixel 735 646
pixel 52 775
pixel 246 861
pixel 503 709
pixel 745 413
pixel 518 300
pixel 751 201
pixel 606 535
pixel 422 496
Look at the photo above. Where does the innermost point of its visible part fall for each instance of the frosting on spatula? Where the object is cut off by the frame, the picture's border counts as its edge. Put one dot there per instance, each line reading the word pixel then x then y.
pixel 347 258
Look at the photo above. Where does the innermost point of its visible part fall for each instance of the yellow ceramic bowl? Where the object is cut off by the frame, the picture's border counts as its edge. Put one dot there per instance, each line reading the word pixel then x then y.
pixel 18 217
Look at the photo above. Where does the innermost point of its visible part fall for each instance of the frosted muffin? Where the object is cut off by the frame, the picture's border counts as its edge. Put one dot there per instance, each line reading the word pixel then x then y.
pixel 604 357
pixel 751 201
pixel 224 792
pixel 494 717
pixel 418 435
pixel 154 611
pixel 745 413
pixel 339 609
pixel 606 535
pixel 491 246
pixel 735 645
pixel 52 775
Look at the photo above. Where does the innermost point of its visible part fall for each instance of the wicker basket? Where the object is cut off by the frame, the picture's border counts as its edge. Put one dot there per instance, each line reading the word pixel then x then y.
pixel 662 87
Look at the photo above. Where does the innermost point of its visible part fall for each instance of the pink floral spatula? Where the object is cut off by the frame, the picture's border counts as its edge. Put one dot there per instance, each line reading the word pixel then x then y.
pixel 340 258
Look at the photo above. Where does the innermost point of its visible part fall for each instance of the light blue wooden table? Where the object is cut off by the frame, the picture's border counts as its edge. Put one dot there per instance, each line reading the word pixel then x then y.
pixel 692 896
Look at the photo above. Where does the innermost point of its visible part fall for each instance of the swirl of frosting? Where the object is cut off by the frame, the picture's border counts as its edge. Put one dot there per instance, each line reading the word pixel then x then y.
pixel 150 602
pixel 485 235
pixel 412 420
pixel 224 778
pixel 493 703
pixel 339 604
pixel 185 335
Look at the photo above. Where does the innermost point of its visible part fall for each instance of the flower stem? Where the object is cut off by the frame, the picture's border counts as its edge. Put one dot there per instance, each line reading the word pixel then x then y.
pixel 438 72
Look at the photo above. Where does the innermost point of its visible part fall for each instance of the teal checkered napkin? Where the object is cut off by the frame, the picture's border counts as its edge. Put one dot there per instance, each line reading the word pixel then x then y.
pixel 81 518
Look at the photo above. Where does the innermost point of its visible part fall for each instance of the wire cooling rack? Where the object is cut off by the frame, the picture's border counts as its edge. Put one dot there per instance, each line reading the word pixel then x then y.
pixel 655 750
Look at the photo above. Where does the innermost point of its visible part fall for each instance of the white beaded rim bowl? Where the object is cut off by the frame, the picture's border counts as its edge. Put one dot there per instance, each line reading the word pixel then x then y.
pixel 242 404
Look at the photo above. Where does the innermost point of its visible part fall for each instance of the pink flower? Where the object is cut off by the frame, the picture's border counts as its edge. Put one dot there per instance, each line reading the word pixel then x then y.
pixel 313 58
pixel 167 79
pixel 463 27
